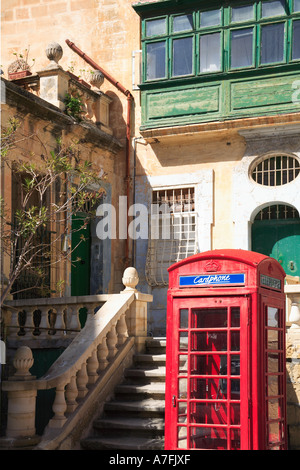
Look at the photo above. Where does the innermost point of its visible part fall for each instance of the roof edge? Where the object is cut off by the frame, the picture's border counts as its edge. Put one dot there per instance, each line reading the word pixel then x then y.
pixel 251 258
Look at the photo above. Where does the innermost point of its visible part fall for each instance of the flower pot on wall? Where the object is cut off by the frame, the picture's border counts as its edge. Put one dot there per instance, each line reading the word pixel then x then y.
pixel 20 74
pixel 83 82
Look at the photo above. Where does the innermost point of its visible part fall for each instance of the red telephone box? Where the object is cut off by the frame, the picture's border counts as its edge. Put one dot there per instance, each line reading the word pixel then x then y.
pixel 225 368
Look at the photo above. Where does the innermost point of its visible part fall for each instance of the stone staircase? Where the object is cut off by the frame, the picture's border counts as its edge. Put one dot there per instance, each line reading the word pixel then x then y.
pixel 134 418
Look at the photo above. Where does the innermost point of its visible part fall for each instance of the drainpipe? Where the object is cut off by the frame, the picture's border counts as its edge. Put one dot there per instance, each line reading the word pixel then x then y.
pixel 135 141
pixel 130 99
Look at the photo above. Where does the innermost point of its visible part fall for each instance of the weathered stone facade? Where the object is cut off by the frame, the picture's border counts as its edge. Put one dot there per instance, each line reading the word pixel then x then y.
pixel 293 387
pixel 41 125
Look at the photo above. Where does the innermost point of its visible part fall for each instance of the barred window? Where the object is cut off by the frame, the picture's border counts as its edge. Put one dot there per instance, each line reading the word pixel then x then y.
pixel 173 229
pixel 277 212
pixel 276 170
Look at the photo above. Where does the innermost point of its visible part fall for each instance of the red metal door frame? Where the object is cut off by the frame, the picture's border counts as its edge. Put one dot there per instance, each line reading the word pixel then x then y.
pixel 273 391
pixel 179 415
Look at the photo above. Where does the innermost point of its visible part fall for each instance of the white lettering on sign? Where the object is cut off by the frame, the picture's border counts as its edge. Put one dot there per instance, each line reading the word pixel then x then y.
pixel 216 279
pixel 204 280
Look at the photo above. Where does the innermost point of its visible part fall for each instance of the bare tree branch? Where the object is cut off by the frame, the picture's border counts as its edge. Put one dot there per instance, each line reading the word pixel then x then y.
pixel 42 205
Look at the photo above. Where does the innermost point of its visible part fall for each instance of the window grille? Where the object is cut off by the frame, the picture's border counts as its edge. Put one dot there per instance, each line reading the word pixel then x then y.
pixel 276 170
pixel 173 229
pixel 278 212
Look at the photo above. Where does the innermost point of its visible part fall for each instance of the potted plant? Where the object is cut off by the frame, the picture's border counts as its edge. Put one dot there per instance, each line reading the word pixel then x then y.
pixel 82 78
pixel 79 78
pixel 20 67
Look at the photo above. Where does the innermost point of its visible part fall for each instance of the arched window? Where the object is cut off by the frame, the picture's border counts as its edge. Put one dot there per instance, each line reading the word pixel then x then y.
pixel 278 212
pixel 275 169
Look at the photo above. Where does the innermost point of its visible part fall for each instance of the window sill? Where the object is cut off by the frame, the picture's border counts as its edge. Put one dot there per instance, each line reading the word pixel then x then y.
pixel 216 76
pixel 232 125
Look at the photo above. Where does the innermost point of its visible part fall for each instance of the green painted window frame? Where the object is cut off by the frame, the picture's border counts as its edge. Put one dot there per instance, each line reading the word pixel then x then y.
pixel 225 29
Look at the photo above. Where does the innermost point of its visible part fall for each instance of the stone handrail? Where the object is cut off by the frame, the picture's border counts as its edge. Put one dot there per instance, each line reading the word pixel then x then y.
pixel 117 327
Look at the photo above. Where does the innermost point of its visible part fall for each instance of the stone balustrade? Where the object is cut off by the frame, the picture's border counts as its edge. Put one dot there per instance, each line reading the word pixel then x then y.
pixel 48 319
pixel 95 104
pixel 54 85
pixel 82 371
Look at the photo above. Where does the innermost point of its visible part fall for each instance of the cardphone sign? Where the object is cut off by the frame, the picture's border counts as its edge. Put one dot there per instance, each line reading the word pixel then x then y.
pixel 206 280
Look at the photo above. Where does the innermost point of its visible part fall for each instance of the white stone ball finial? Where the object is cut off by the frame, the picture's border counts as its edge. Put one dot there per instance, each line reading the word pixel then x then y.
pixel 54 52
pixel 130 279
pixel 97 78
pixel 22 362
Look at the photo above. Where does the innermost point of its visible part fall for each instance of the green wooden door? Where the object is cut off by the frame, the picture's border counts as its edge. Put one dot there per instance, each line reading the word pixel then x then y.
pixel 81 260
pixel 279 239
pixel 81 247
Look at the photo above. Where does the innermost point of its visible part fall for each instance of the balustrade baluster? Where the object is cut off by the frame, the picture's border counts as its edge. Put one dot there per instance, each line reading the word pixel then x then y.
pixel 82 380
pixel 92 367
pixel 102 354
pixel 112 339
pixel 59 323
pixel 13 328
pixel 122 330
pixel 90 311
pixel 28 325
pixel 59 408
pixel 44 323
pixel 89 108
pixel 35 319
pixel 52 320
pixel 71 395
pixel 74 323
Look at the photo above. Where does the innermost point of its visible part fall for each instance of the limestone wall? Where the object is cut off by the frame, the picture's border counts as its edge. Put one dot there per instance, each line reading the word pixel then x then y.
pixel 293 387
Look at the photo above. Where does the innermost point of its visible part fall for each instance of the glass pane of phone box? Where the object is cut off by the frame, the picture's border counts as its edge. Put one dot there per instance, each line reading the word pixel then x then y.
pixel 213 438
pixel 209 318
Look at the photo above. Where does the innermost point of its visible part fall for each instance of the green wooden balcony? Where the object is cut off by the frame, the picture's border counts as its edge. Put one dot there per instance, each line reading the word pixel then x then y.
pixel 218 62
pixel 234 96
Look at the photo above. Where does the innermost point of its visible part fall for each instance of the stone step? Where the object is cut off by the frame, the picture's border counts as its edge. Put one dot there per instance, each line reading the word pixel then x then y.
pixel 146 406
pixel 149 426
pixel 156 345
pixel 126 443
pixel 134 418
pixel 137 391
pixel 149 359
pixel 155 373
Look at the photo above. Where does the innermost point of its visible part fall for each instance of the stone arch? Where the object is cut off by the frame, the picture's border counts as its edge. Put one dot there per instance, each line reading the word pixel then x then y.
pixel 275 232
pixel 265 205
